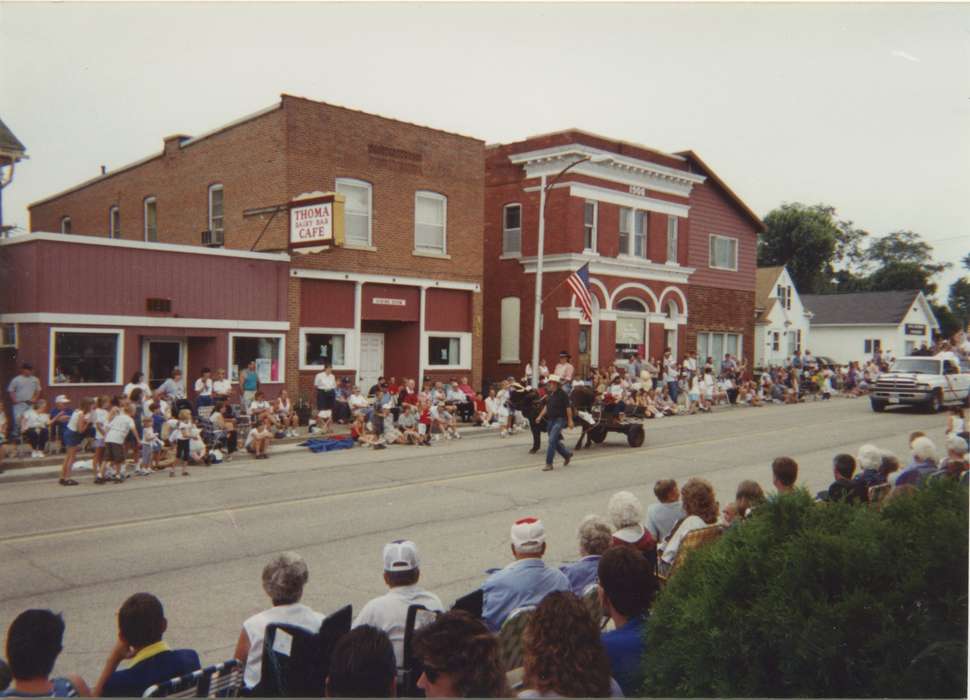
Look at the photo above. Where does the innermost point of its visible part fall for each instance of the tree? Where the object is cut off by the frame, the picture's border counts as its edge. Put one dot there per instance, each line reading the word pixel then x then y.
pixel 810 242
pixel 949 322
pixel 902 260
pixel 959 301
pixel 901 276
pixel 808 600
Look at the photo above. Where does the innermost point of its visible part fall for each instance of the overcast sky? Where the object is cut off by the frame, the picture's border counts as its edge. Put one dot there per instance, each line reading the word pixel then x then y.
pixel 864 107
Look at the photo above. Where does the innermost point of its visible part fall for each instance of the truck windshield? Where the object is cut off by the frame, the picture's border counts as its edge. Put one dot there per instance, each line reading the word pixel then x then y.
pixel 919 366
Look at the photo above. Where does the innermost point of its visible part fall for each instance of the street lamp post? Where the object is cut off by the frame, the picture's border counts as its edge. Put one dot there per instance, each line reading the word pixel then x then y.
pixel 537 311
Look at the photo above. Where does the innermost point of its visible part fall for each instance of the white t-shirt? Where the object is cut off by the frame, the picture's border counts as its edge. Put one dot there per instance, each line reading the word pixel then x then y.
pixel 691 523
pixel 257 406
pixel 325 381
pixel 222 387
pixel 76 419
pixel 203 387
pixel 130 387
pixel 34 420
pixel 357 401
pixel 118 429
pixel 255 628
pixel 389 612
pixel 101 421
pixel 185 429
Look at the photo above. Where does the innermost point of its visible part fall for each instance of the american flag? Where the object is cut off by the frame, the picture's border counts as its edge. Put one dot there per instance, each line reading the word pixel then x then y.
pixel 579 283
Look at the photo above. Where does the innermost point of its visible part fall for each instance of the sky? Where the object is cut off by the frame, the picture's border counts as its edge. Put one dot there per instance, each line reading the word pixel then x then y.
pixel 865 107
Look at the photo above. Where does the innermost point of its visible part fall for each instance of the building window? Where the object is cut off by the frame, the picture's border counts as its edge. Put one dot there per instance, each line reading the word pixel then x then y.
pixel 84 356
pixel 783 293
pixel 672 239
pixel 512 229
pixel 430 222
pixel 444 351
pixel 65 224
pixel 872 345
pixel 114 222
pixel 357 210
pixel 716 345
pixel 631 328
pixel 151 220
pixel 266 351
pixel 775 341
pixel 510 330
pixel 626 214
pixel 326 346
pixel 216 219
pixel 640 234
pixel 724 253
pixel 589 226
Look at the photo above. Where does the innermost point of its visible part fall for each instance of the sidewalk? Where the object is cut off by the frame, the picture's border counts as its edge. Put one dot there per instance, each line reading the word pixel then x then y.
pixel 29 469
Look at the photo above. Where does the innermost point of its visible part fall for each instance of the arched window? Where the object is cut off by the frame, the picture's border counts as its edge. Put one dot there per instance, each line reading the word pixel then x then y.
pixel 151 219
pixel 65 224
pixel 670 310
pixel 631 328
pixel 631 304
pixel 114 222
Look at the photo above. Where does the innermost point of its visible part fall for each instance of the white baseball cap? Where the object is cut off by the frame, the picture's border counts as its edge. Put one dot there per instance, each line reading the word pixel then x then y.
pixel 528 535
pixel 61 398
pixel 401 555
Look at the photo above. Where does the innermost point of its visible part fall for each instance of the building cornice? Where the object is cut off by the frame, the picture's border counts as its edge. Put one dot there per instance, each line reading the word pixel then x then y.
pixel 610 267
pixel 54 318
pixel 426 282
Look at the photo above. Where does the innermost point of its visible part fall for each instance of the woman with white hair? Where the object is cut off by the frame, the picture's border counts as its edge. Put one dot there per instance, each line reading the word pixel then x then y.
pixel 869 459
pixel 922 465
pixel 595 537
pixel 283 580
pixel 626 514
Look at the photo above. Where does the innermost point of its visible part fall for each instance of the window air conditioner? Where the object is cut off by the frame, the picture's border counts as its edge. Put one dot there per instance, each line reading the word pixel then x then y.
pixel 213 239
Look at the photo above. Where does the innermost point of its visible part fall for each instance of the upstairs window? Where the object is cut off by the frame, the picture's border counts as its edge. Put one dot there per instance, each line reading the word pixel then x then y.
pixel 430 222
pixel 151 220
pixel 640 234
pixel 357 210
pixel 672 239
pixel 626 214
pixel 589 226
pixel 723 253
pixel 216 220
pixel 114 222
pixel 512 229
pixel 65 224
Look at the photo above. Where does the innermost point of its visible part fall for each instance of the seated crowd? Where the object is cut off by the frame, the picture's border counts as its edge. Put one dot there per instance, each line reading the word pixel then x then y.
pixel 587 614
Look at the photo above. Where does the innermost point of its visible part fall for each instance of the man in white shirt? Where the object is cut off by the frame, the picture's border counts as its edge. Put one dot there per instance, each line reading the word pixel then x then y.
pixel 389 612
pixel 326 385
pixel 221 387
pixel 203 389
pixel 357 401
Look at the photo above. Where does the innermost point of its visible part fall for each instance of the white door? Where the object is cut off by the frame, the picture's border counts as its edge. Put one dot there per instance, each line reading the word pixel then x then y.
pixel 371 360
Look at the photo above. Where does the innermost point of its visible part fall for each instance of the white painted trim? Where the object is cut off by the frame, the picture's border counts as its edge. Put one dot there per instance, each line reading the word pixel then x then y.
pixel 604 194
pixel 614 297
pixel 354 182
pixel 430 194
pixel 152 199
pixel 350 347
pixel 119 355
pixel 212 188
pixel 358 323
pixel 114 212
pixel 516 329
pixel 505 208
pixel 464 350
pixel 65 224
pixel 737 252
pixel 183 354
pixel 599 285
pixel 422 338
pixel 144 245
pixel 157 321
pixel 430 254
pixel 611 267
pixel 282 354
pixel 354 246
pixel 510 256
pixel 680 295
pixel 383 279
pixel 596 225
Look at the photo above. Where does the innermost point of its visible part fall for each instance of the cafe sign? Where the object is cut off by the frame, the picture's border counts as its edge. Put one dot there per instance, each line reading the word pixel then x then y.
pixel 316 221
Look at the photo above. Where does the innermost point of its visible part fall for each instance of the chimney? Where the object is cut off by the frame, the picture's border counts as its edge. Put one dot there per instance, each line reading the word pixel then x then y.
pixel 103 170
pixel 174 142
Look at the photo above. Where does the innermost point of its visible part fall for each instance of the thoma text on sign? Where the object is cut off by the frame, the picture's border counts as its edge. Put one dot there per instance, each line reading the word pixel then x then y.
pixel 312 223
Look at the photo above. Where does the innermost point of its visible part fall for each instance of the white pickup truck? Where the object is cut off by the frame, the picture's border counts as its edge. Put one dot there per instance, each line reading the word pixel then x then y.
pixel 931 382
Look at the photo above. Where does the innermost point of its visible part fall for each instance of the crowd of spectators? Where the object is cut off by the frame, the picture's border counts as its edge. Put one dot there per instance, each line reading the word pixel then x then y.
pixel 584 634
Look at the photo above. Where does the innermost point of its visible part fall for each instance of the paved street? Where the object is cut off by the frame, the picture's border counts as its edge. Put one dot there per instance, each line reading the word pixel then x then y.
pixel 200 542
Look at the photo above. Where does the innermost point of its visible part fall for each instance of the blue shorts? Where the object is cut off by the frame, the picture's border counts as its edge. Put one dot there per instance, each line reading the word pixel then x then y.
pixel 71 438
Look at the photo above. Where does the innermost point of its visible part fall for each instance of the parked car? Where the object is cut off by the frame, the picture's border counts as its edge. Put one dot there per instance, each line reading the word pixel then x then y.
pixel 931 382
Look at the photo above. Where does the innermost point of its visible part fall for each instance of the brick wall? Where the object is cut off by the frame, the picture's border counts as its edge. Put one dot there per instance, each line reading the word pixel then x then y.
pixel 724 310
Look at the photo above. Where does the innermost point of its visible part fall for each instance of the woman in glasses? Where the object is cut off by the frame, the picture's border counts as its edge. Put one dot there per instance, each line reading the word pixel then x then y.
pixel 460 658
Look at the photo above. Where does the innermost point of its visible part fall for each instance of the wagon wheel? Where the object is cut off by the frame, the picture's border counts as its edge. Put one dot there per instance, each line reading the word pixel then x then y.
pixel 634 436
pixel 597 433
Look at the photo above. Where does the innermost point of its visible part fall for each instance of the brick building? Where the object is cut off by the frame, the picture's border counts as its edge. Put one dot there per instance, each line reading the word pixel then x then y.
pixel 671 251
pixel 401 297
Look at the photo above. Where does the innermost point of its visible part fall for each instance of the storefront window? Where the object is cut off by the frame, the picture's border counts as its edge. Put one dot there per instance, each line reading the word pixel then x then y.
pixel 444 351
pixel 85 357
pixel 715 345
pixel 266 351
pixel 324 349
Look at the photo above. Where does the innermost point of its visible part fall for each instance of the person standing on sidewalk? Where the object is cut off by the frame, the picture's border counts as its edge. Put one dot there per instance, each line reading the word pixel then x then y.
pixel 24 390
pixel 558 413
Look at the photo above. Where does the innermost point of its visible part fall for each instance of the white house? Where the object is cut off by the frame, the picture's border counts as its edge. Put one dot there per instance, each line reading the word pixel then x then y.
pixel 781 324
pixel 851 327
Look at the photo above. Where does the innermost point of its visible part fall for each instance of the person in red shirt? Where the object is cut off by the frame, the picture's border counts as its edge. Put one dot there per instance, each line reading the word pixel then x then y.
pixel 409 394
pixel 393 388
pixel 425 420
pixel 481 410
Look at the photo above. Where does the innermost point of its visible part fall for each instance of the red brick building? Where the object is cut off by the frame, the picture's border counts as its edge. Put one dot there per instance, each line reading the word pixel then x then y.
pixel 671 251
pixel 401 297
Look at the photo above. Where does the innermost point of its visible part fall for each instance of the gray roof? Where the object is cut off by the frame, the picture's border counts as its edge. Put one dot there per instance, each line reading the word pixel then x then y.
pixel 879 308
pixel 9 142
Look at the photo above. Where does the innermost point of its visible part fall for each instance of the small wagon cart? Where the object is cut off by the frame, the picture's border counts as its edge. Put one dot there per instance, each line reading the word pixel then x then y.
pixel 609 423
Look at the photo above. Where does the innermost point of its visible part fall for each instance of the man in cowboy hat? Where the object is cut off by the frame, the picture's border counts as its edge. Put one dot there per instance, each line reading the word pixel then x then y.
pixel 564 370
pixel 558 413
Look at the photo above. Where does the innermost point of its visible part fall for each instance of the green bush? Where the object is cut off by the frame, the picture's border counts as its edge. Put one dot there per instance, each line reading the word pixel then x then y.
pixel 821 600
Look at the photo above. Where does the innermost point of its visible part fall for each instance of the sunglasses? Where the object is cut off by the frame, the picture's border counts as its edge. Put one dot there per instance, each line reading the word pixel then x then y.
pixel 433 673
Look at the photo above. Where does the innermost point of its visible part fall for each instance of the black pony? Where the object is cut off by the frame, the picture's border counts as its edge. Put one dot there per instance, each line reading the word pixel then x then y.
pixel 530 403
